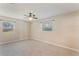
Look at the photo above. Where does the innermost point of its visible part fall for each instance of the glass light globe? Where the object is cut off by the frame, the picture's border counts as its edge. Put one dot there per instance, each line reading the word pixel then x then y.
pixel 30 18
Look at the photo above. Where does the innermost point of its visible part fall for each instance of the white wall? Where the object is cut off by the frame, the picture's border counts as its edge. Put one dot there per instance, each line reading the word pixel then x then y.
pixel 64 34
pixel 19 33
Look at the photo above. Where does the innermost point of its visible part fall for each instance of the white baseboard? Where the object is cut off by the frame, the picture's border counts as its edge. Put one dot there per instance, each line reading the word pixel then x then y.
pixel 12 41
pixel 73 49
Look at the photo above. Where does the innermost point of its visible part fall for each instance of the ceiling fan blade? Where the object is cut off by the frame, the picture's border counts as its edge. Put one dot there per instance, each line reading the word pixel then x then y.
pixel 35 18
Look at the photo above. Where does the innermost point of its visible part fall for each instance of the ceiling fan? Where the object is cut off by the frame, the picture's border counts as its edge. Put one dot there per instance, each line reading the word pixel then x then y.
pixel 31 16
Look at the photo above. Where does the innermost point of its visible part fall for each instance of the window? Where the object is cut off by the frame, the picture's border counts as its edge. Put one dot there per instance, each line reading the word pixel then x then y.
pixel 7 26
pixel 47 26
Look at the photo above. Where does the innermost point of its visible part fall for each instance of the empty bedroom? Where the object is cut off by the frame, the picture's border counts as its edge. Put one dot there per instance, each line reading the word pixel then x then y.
pixel 39 29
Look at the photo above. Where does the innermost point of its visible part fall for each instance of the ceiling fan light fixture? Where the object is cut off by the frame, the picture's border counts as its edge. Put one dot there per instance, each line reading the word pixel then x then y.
pixel 30 18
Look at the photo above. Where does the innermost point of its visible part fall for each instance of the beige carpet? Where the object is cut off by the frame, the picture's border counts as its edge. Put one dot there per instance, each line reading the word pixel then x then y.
pixel 34 48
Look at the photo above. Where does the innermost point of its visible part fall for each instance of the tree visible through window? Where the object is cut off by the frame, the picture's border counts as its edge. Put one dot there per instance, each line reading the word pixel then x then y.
pixel 47 26
pixel 7 26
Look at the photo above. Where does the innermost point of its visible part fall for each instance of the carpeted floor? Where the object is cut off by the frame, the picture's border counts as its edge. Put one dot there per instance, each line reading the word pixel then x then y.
pixel 34 48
